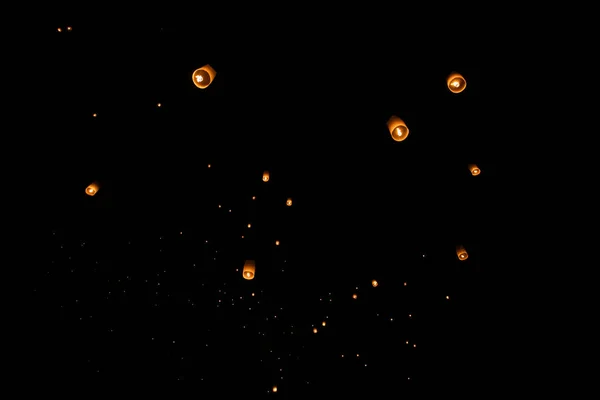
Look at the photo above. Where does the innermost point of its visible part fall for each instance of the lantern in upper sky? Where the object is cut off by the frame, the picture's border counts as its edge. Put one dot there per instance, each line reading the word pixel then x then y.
pixel 288 202
pixel 266 176
pixel 397 128
pixel 374 283
pixel 249 269
pixel 203 76
pixel 92 189
pixel 456 82
pixel 474 169
pixel 461 253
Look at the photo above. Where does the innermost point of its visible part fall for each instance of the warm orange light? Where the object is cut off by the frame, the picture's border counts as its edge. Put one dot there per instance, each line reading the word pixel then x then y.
pixel 315 330
pixel 274 389
pixel 203 76
pixel 277 243
pixel 374 283
pixel 324 323
pixel 92 189
pixel 266 176
pixel 456 82
pixel 355 296
pixel 474 169
pixel 461 253
pixel 288 202
pixel 249 269
pixel 397 128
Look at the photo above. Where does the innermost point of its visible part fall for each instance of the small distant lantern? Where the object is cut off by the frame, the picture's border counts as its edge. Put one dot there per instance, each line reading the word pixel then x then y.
pixel 324 323
pixel 92 189
pixel 277 243
pixel 355 296
pixel 315 330
pixel 203 76
pixel 288 202
pixel 274 389
pixel 249 269
pixel 266 176
pixel 474 169
pixel 461 253
pixel 374 283
pixel 456 82
pixel 397 128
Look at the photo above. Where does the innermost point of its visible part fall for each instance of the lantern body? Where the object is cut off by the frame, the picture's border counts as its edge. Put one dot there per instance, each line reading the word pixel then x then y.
pixel 249 269
pixel 456 82
pixel 92 189
pixel 374 283
pixel 474 169
pixel 288 202
pixel 203 76
pixel 266 176
pixel 461 253
pixel 397 128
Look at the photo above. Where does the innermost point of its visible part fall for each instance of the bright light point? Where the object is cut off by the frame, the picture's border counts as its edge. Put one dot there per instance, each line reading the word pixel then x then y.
pixel 199 78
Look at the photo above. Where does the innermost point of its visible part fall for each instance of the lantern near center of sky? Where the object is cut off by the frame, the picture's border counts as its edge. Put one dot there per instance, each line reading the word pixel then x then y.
pixel 249 269
pixel 461 253
pixel 456 82
pixel 288 202
pixel 92 189
pixel 474 169
pixel 266 176
pixel 397 128
pixel 203 76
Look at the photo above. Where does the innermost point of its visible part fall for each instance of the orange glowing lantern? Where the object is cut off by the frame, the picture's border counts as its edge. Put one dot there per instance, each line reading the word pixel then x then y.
pixel 461 253
pixel 474 169
pixel 249 269
pixel 266 176
pixel 374 283
pixel 92 189
pixel 274 389
pixel 397 128
pixel 203 76
pixel 288 202
pixel 456 82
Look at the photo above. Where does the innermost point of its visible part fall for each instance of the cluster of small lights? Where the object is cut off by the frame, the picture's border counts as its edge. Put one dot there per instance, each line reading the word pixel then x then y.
pixel 245 295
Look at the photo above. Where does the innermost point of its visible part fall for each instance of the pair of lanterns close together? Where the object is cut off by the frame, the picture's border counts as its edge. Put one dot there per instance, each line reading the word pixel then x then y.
pixel 399 130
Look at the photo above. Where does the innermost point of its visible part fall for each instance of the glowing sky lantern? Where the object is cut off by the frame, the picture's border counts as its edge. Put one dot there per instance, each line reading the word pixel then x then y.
pixel 266 176
pixel 92 189
pixel 474 169
pixel 203 76
pixel 461 253
pixel 288 202
pixel 456 82
pixel 249 269
pixel 397 128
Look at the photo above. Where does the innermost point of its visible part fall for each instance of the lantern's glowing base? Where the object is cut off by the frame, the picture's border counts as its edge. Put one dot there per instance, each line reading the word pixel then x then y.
pixel 456 83
pixel 203 77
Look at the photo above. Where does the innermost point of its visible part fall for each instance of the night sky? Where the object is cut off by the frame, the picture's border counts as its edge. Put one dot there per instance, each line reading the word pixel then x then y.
pixel 141 284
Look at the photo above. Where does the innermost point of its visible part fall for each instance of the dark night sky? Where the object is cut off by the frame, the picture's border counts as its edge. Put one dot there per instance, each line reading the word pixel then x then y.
pixel 141 284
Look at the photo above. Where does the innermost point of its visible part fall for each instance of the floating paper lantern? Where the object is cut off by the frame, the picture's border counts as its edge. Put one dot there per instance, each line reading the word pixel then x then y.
pixel 374 283
pixel 288 202
pixel 203 76
pixel 456 82
pixel 461 253
pixel 397 128
pixel 474 169
pixel 92 189
pixel 266 176
pixel 249 269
